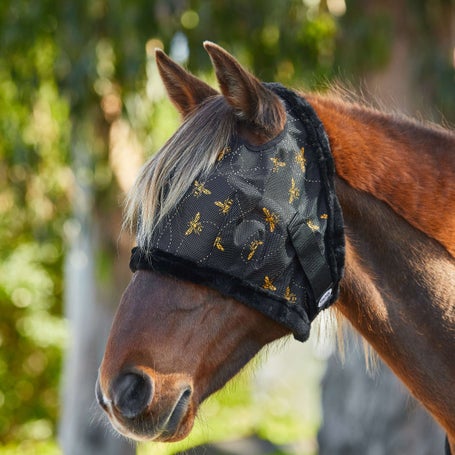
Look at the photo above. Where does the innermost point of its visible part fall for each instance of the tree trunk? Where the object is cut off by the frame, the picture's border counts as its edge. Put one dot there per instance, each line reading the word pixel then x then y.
pixel 372 415
pixel 83 430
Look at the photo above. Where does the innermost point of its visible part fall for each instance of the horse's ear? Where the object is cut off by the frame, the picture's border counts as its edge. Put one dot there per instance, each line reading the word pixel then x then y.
pixel 251 100
pixel 185 90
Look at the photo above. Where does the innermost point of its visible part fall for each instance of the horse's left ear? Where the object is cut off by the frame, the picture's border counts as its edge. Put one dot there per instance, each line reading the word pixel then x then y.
pixel 185 90
pixel 250 99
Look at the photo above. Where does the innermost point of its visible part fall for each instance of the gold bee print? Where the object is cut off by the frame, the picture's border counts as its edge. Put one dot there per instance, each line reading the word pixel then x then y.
pixel 223 153
pixel 300 158
pixel 224 206
pixel 254 245
pixel 199 189
pixel 289 296
pixel 294 192
pixel 268 284
pixel 195 225
pixel 312 225
pixel 217 244
pixel 277 164
pixel 271 218
pixel 324 216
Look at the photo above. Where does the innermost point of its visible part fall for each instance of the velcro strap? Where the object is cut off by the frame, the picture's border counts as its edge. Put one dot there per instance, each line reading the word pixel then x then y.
pixel 313 262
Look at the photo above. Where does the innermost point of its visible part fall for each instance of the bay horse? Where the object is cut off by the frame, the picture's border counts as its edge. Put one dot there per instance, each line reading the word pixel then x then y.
pixel 174 341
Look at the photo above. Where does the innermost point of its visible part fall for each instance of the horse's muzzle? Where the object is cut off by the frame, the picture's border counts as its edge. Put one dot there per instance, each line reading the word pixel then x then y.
pixel 138 408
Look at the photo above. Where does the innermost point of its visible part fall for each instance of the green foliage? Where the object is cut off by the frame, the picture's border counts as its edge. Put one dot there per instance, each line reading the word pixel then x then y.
pixel 34 186
pixel 284 41
pixel 433 54
pixel 369 30
pixel 31 448
pixel 365 39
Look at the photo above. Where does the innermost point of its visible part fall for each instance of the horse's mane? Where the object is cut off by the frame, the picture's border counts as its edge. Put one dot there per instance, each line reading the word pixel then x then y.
pixel 189 153
pixel 359 101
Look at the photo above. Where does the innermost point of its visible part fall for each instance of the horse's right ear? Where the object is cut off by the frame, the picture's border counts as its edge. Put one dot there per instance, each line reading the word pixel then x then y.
pixel 251 100
pixel 185 90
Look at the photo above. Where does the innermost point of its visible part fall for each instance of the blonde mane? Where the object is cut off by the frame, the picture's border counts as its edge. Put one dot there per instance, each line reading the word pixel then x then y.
pixel 189 154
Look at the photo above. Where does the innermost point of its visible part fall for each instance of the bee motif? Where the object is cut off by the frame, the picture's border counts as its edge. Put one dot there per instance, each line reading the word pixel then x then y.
pixel 300 158
pixel 223 153
pixel 294 192
pixel 199 189
pixel 289 296
pixel 253 247
pixel 271 218
pixel 268 284
pixel 313 226
pixel 195 225
pixel 277 164
pixel 217 244
pixel 224 206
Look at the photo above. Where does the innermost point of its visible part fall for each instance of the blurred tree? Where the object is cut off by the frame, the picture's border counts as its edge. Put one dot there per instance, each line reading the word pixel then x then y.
pixel 35 183
pixel 402 53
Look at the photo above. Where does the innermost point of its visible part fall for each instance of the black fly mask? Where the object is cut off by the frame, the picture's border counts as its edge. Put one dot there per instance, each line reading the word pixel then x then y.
pixel 265 227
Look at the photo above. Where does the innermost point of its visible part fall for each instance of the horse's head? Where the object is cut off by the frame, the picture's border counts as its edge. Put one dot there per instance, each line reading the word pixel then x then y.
pixel 173 342
pixel 238 206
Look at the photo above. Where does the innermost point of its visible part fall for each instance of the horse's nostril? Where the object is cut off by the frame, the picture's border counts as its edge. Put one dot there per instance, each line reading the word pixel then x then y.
pixel 131 393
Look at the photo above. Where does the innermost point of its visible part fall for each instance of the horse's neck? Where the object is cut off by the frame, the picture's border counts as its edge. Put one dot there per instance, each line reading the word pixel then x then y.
pixel 409 166
pixel 399 293
pixel 399 285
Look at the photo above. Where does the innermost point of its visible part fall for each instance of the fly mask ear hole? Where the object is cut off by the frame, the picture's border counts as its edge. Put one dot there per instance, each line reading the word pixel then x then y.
pixel 252 101
pixel 184 90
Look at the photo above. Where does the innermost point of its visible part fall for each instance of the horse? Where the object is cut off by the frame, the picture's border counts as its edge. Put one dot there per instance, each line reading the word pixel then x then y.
pixel 175 341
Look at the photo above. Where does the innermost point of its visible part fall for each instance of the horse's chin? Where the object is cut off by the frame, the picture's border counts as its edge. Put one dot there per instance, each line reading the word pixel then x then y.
pixel 182 431
pixel 144 430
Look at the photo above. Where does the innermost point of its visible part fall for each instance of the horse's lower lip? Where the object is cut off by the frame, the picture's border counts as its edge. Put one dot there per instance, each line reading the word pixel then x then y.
pixel 175 418
pixel 175 426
